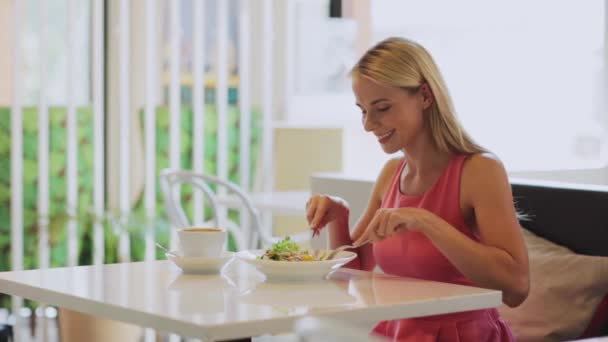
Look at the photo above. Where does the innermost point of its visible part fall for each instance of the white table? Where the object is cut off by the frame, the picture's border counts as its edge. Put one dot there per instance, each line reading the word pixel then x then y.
pixel 238 303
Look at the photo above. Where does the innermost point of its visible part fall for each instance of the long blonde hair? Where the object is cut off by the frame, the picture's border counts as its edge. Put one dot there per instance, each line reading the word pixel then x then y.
pixel 405 64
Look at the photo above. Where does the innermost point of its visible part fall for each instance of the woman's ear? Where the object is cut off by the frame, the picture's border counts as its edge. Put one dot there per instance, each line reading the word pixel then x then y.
pixel 427 95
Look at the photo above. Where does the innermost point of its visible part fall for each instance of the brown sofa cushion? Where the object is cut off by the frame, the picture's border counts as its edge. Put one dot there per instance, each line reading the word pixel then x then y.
pixel 565 289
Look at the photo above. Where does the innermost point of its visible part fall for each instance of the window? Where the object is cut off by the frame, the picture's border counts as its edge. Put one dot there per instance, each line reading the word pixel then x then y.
pixel 526 77
pixel 210 48
pixel 56 52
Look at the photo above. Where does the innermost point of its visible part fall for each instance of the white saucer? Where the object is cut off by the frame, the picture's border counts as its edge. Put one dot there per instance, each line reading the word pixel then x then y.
pixel 200 264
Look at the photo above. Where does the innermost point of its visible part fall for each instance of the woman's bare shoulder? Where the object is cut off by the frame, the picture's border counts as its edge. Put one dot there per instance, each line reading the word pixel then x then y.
pixel 389 169
pixel 385 176
pixel 480 164
pixel 483 172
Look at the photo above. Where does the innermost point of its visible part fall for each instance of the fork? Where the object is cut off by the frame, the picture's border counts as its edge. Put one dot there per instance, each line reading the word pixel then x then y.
pixel 335 252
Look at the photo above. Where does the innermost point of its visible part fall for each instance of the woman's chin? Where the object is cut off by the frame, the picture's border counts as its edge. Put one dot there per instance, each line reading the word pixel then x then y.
pixel 388 149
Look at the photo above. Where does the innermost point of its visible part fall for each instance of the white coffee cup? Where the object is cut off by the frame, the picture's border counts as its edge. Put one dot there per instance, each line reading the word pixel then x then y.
pixel 201 242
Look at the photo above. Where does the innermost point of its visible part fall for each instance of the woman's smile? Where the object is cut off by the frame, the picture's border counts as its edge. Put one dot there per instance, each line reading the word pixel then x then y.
pixel 385 137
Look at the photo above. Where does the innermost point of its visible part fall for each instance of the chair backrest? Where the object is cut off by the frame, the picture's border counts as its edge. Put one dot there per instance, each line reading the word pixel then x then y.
pixel 250 236
pixel 309 329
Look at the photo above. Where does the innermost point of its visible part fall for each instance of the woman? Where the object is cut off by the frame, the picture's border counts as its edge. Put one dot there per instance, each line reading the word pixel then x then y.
pixel 443 212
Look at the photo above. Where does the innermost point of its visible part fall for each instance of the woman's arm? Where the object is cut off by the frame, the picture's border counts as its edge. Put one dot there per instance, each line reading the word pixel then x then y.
pixel 339 232
pixel 500 261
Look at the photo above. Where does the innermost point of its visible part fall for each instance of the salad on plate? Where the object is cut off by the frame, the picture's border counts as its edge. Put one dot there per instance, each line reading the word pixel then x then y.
pixel 288 250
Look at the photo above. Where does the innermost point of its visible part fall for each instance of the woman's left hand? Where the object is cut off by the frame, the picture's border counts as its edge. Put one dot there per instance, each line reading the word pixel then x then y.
pixel 390 221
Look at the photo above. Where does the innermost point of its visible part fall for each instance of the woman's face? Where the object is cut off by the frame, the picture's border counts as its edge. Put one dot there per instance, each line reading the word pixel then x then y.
pixel 394 115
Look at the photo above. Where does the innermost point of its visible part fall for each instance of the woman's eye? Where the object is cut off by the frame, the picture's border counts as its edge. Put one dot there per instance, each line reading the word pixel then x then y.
pixel 384 109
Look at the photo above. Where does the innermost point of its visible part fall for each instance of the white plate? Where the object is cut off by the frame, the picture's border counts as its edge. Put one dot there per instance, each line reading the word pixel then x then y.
pixel 295 270
pixel 200 264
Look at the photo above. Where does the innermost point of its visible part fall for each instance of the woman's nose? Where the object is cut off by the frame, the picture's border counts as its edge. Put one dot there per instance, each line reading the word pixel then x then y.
pixel 368 123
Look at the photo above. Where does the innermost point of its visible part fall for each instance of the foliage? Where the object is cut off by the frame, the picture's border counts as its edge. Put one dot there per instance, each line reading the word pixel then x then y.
pixel 136 223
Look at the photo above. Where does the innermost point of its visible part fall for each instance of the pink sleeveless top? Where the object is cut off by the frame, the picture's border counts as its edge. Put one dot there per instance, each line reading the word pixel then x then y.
pixel 412 254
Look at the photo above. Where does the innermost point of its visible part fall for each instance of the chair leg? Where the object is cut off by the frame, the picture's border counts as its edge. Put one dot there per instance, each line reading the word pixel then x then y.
pixel 6 333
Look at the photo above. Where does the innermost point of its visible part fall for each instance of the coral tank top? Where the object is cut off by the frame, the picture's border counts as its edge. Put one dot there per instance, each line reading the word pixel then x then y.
pixel 412 254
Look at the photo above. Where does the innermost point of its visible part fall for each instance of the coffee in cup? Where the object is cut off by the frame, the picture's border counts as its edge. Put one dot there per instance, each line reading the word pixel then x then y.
pixel 201 241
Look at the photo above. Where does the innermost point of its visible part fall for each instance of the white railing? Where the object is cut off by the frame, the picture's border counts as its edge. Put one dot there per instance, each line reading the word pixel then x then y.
pixel 174 91
pixel 43 143
pixel 149 125
pixel 267 100
pixel 244 100
pixel 221 96
pixel 44 148
pixel 17 149
pixel 151 84
pixel 125 135
pixel 124 100
pixel 98 129
pixel 198 100
pixel 72 139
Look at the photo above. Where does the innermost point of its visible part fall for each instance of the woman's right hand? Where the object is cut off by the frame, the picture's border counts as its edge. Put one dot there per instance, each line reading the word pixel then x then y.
pixel 323 209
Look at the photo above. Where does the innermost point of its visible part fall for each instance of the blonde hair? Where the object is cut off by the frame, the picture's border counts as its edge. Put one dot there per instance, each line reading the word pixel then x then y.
pixel 405 64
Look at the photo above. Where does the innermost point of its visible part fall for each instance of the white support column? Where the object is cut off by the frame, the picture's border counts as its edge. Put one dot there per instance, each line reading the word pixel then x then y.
pixel 43 158
pixel 72 141
pixel 150 126
pixel 125 123
pixel 267 98
pixel 174 90
pixel 174 93
pixel 98 130
pixel 17 150
pixel 290 60
pixel 245 111
pixel 43 141
pixel 221 97
pixel 267 106
pixel 174 103
pixel 245 93
pixel 198 101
